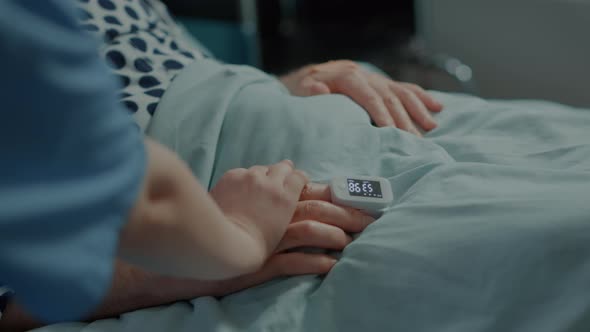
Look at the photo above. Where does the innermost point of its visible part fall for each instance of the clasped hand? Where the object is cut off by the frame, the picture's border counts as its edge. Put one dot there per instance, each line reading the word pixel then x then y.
pixel 288 212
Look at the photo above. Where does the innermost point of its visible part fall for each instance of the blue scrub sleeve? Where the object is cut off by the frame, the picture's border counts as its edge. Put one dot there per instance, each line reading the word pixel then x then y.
pixel 72 162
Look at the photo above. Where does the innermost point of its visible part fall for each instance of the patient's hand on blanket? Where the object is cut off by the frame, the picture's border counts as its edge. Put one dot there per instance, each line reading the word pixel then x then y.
pixel 389 103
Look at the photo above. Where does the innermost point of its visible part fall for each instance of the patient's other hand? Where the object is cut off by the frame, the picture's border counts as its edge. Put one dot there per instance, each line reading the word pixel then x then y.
pixel 317 223
pixel 389 103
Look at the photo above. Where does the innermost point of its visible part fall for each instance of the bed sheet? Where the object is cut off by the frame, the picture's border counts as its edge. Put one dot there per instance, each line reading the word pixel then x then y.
pixel 489 231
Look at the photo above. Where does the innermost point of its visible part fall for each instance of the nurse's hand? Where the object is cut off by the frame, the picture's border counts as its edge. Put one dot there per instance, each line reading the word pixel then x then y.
pixel 261 200
pixel 389 103
pixel 317 223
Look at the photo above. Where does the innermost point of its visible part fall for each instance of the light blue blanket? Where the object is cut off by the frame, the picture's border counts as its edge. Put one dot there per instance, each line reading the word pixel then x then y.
pixel 490 230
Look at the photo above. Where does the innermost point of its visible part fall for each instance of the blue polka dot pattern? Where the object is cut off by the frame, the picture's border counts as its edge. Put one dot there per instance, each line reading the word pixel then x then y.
pixel 152 108
pixel 131 13
pixel 155 93
pixel 148 82
pixel 130 105
pixel 142 65
pixel 160 39
pixel 117 59
pixel 145 7
pixel 187 54
pixel 107 4
pixel 124 80
pixel 145 48
pixel 173 64
pixel 111 34
pixel 112 20
pixel 138 43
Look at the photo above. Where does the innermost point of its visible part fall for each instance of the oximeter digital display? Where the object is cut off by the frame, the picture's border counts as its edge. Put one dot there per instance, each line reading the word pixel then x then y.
pixel 369 193
pixel 364 188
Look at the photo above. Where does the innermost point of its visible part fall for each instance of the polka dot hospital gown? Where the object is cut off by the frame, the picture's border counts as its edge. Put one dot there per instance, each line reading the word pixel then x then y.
pixel 145 48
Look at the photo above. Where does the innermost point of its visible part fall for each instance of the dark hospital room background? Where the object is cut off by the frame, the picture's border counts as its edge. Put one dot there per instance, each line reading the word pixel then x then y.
pixel 488 48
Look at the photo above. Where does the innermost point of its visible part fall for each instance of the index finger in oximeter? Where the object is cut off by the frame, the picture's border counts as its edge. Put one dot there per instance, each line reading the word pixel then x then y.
pixel 369 193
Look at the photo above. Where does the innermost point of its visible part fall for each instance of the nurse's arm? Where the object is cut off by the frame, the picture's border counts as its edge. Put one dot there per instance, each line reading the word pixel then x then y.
pixel 132 289
pixel 176 228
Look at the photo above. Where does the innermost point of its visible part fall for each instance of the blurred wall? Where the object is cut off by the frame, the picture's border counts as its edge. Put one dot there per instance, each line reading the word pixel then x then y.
pixel 517 49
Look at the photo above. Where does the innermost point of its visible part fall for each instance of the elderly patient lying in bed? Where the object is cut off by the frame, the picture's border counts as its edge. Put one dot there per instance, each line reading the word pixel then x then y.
pixel 147 50
pixel 488 232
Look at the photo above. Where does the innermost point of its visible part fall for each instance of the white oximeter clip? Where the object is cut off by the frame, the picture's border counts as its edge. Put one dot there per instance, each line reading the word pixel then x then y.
pixel 371 194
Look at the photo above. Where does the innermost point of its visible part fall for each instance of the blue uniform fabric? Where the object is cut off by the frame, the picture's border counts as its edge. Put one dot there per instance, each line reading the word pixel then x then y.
pixel 71 161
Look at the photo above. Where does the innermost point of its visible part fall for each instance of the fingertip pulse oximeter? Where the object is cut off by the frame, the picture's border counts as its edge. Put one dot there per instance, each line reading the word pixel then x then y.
pixel 368 193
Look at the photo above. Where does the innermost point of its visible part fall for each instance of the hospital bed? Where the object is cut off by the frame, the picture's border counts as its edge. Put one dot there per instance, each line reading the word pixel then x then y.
pixel 489 230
